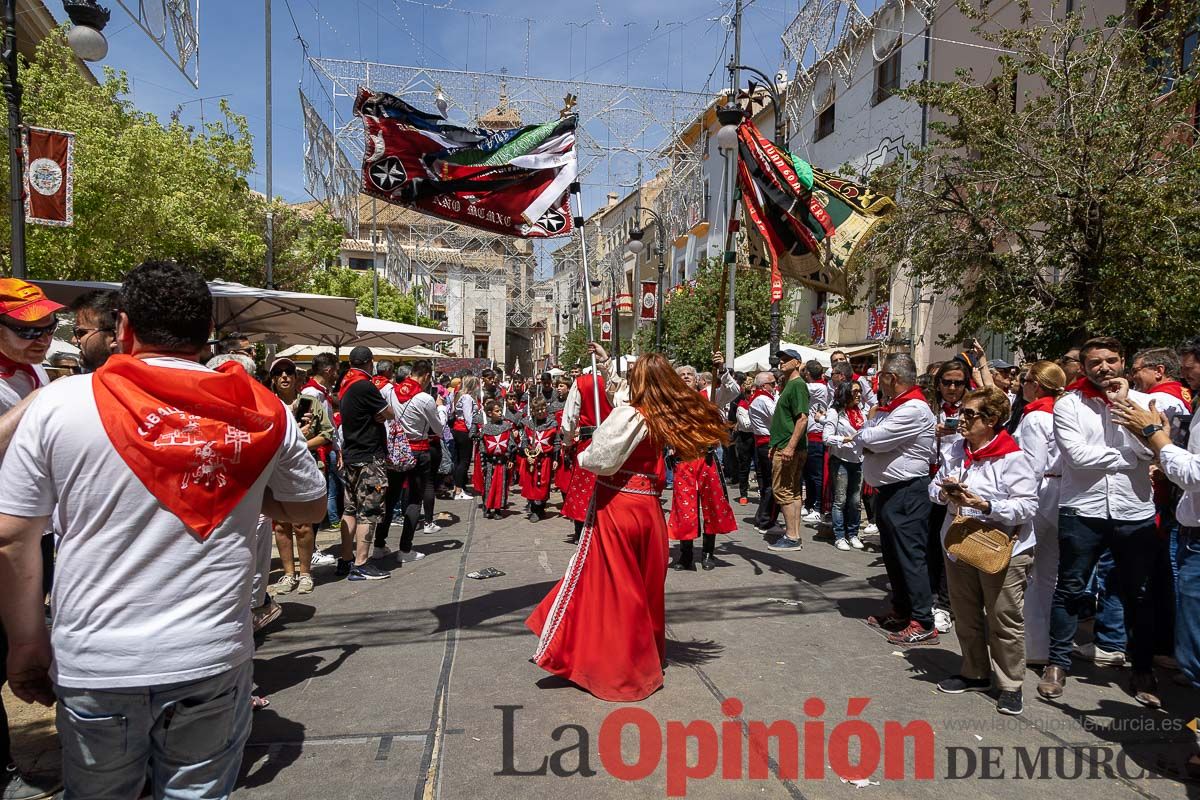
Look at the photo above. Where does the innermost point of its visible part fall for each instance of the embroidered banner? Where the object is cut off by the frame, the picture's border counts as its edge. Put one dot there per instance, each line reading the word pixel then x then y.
pixel 816 326
pixel 649 300
pixel 878 322
pixel 49 158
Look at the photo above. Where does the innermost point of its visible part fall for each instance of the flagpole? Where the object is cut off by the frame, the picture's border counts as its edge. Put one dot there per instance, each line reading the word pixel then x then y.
pixel 576 190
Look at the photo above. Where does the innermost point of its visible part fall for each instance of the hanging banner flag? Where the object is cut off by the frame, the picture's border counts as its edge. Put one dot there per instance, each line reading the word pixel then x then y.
pixel 49 158
pixel 649 300
pixel 512 181
pixel 816 327
pixel 606 327
pixel 878 322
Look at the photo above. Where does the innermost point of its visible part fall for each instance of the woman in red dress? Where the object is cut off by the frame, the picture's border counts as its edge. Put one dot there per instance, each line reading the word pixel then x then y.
pixel 603 627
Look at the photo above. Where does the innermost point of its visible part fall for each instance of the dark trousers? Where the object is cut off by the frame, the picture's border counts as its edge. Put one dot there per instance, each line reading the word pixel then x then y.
pixel 743 445
pixel 392 504
pixel 464 452
pixel 768 512
pixel 429 493
pixel 420 477
pixel 937 566
pixel 1081 540
pixel 5 741
pixel 902 511
pixel 814 477
pixel 687 550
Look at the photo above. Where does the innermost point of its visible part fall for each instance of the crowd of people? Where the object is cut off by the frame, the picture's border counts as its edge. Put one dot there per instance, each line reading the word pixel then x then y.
pixel 1009 503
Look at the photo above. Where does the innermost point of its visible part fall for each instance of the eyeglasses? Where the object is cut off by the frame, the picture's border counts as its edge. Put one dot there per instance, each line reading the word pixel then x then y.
pixel 275 373
pixel 31 332
pixel 953 384
pixel 80 333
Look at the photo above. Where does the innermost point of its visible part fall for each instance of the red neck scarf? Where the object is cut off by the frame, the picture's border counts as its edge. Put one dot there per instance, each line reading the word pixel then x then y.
pixel 380 381
pixel 950 409
pixel 312 384
pixel 352 377
pixel 999 447
pixel 1088 389
pixel 761 393
pixel 857 420
pixel 8 368
pixel 197 440
pixel 1176 390
pixel 408 389
pixel 913 394
pixel 1045 404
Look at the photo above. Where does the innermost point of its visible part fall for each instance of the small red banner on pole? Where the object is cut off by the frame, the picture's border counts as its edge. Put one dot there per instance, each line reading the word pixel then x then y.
pixel 606 327
pixel 649 300
pixel 49 175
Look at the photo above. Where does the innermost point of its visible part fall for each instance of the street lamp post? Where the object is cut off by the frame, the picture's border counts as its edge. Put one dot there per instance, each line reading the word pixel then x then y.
pixel 781 142
pixel 89 44
pixel 635 245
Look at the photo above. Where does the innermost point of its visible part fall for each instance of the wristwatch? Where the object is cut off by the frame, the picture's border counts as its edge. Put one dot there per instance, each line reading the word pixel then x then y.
pixel 1150 430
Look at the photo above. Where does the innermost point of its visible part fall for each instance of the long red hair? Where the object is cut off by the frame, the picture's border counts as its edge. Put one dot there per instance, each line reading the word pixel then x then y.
pixel 678 417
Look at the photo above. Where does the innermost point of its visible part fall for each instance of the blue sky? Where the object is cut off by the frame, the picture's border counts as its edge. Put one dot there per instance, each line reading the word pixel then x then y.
pixel 665 43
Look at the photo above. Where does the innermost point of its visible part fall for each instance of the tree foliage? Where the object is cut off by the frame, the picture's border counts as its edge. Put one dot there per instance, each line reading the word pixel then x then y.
pixel 694 317
pixel 145 190
pixel 574 347
pixel 1068 210
pixel 394 304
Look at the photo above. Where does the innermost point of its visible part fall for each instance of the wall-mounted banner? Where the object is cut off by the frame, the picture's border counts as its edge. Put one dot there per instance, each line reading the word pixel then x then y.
pixel 49 176
pixel 877 324
pixel 649 300
pixel 816 327
pixel 606 327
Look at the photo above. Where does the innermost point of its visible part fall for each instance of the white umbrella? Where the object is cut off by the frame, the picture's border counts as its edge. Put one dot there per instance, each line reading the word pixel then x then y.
pixel 245 309
pixel 760 357
pixel 305 352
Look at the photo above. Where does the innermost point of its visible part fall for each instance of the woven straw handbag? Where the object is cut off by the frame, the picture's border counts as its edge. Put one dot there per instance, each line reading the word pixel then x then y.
pixel 977 543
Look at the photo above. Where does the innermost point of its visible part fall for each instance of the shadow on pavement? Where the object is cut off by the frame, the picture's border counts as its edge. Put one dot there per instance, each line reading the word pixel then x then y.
pixel 694 653
pixel 475 611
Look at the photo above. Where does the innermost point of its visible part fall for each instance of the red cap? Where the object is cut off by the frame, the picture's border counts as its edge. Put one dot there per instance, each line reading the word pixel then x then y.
pixel 25 302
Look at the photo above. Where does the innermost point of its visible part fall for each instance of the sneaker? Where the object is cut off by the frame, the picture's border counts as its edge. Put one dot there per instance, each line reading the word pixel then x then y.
pixel 827 519
pixel 811 518
pixel 942 621
pixel 15 786
pixel 320 559
pixel 336 525
pixel 1099 656
pixel 889 622
pixel 411 555
pixel 957 684
pixel 914 634
pixel 343 566
pixel 304 585
pixel 368 572
pixel 380 551
pixel 431 527
pixel 856 543
pixel 774 530
pixel 463 496
pixel 871 530
pixel 842 544
pixel 1010 703
pixel 785 544
pixel 286 584
pixel 264 615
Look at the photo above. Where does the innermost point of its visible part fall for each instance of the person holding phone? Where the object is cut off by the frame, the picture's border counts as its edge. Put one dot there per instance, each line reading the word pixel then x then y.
pixel 950 385
pixel 295 540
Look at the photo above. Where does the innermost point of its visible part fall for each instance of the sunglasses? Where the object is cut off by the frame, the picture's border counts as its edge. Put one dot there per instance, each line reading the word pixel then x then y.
pixel 31 332
pixel 968 415
pixel 953 384
pixel 80 333
pixel 275 373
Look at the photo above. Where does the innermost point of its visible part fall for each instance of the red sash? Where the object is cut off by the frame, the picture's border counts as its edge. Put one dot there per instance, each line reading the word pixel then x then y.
pixel 1045 404
pixel 999 447
pixel 196 440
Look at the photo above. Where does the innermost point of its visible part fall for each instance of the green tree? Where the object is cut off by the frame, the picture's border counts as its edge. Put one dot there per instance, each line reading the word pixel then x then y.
pixel 394 304
pixel 146 190
pixel 1068 210
pixel 574 347
pixel 694 318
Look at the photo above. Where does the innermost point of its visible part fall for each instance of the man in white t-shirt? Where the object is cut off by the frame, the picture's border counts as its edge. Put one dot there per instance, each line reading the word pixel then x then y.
pixel 155 470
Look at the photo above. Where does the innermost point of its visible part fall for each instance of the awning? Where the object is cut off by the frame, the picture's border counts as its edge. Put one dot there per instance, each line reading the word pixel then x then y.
pixel 760 357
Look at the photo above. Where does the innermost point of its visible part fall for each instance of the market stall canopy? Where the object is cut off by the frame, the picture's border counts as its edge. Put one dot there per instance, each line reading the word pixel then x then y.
pixel 305 352
pixel 760 358
pixel 283 316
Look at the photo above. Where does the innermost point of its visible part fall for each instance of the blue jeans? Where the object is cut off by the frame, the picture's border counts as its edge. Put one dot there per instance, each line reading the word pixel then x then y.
pixel 188 737
pixel 847 493
pixel 1081 542
pixel 333 487
pixel 1187 616
pixel 814 477
pixel 1109 628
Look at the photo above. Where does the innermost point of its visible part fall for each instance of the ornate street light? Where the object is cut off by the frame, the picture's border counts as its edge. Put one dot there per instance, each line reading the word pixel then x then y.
pixel 87 23
pixel 635 245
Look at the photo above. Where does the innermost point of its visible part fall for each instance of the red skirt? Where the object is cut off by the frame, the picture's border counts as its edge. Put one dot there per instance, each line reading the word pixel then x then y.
pixel 583 486
pixel 562 473
pixel 490 482
pixel 535 483
pixel 602 627
pixel 699 493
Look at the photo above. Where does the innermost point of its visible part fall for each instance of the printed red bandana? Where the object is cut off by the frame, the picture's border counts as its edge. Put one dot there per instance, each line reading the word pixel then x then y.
pixel 380 381
pixel 913 394
pixel 408 389
pixel 1088 390
pixel 352 377
pixel 8 368
pixel 950 409
pixel 857 420
pixel 1045 404
pixel 197 440
pixel 999 447
pixel 1176 390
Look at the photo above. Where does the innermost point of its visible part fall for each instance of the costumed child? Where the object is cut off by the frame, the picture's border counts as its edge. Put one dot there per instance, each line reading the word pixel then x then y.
pixel 536 457
pixel 493 456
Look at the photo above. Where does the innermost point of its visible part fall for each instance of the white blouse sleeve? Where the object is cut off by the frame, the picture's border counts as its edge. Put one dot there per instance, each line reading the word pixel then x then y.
pixel 614 441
